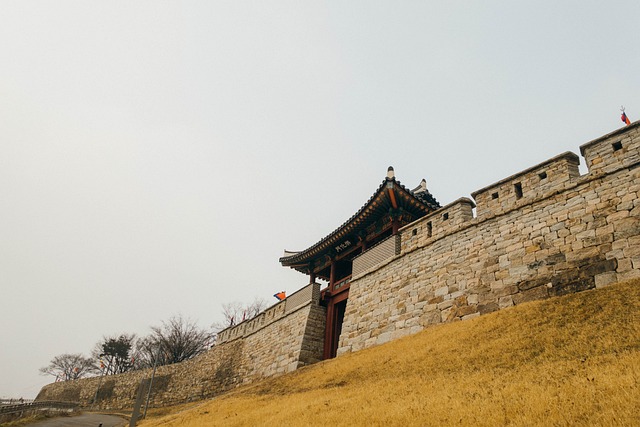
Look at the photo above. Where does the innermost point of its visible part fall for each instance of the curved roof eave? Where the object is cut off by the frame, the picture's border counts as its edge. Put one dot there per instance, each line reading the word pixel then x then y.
pixel 333 238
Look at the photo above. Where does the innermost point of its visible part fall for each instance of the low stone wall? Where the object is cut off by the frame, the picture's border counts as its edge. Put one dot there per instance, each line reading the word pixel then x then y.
pixel 204 376
pixel 279 346
pixel 543 232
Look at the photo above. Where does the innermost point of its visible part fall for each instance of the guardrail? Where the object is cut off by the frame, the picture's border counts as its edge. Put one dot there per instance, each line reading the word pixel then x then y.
pixel 39 405
pixel 14 401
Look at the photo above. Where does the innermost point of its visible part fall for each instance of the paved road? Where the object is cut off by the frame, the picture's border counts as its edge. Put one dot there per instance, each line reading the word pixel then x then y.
pixel 84 420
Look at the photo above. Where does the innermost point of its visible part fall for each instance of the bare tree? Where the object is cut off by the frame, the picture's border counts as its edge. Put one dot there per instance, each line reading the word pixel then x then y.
pixel 67 367
pixel 177 340
pixel 236 312
pixel 256 307
pixel 146 350
pixel 232 313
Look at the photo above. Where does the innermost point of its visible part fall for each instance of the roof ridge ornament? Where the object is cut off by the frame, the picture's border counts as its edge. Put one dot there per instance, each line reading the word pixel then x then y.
pixel 390 173
pixel 421 188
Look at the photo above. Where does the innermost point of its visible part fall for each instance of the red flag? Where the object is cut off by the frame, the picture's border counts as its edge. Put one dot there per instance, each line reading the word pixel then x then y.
pixel 280 295
pixel 625 119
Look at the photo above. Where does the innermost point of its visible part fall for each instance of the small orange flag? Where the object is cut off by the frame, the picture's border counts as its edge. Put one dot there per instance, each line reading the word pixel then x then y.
pixel 280 295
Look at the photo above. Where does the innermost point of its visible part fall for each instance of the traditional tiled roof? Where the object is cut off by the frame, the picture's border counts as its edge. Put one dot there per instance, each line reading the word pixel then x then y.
pixel 415 203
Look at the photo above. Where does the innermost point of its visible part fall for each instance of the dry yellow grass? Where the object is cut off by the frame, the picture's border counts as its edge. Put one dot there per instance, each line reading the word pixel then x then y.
pixel 573 360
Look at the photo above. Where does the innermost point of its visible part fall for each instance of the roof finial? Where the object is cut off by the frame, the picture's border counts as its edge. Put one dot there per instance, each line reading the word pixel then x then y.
pixel 390 173
pixel 423 184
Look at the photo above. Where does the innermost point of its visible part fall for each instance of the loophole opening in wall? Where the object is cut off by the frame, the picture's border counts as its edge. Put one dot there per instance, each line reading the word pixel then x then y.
pixel 517 187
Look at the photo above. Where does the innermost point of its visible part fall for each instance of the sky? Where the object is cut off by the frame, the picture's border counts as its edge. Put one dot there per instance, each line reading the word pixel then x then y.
pixel 157 157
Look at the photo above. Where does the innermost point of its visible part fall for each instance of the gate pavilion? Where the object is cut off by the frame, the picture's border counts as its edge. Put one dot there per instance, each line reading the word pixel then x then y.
pixel 391 207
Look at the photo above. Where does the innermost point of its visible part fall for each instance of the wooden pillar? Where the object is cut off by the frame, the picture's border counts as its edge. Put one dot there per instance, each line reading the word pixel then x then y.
pixel 395 215
pixel 312 274
pixel 329 325
pixel 363 240
pixel 395 211
pixel 332 274
pixel 395 226
pixel 328 332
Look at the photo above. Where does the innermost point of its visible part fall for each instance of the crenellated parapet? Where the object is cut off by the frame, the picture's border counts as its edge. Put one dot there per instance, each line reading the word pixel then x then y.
pixel 307 295
pixel 443 222
pixel 613 151
pixel 539 181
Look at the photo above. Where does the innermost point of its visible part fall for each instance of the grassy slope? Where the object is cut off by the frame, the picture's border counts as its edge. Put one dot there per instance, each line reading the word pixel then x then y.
pixel 573 360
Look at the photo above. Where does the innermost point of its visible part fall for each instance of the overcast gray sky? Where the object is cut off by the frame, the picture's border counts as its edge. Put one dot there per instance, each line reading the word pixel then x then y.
pixel 156 157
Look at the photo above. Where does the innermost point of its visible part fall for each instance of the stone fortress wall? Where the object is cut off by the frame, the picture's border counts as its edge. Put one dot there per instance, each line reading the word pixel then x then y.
pixel 546 231
pixel 204 376
pixel 543 232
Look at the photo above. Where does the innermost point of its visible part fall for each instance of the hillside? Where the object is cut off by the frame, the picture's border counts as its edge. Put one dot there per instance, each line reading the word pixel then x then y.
pixel 573 360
